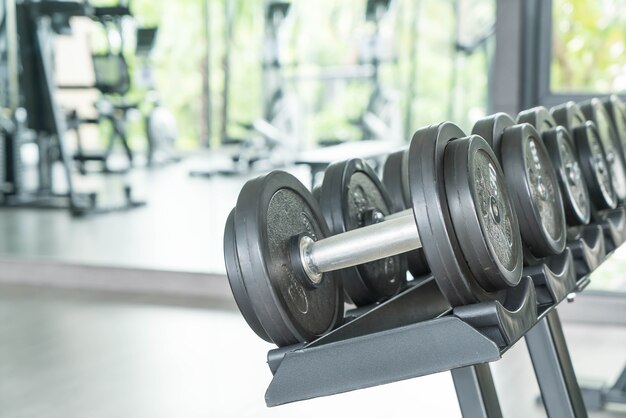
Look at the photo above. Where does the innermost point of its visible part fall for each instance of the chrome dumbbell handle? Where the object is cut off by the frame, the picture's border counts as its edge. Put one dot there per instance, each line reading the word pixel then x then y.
pixel 394 235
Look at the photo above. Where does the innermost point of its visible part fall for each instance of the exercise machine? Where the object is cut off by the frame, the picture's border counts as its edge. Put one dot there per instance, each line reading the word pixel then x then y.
pixel 273 140
pixel 113 80
pixel 160 124
pixel 38 122
pixel 382 118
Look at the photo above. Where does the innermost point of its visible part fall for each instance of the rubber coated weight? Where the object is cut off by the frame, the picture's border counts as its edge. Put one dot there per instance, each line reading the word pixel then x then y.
pixel 351 197
pixel 395 179
pixel 535 190
pixel 565 162
pixel 569 116
pixel 594 166
pixel 576 200
pixel 434 220
pixel 270 210
pixel 316 192
pixel 617 113
pixel 491 128
pixel 594 111
pixel 471 176
pixel 235 279
pixel 539 117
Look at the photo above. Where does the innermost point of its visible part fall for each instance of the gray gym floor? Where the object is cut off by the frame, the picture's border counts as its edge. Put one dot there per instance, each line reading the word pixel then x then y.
pixel 76 355
pixel 130 315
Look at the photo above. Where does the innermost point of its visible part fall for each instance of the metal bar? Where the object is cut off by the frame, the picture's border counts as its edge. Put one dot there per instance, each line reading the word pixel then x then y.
pixel 554 322
pixel 476 392
pixel 359 246
pixel 553 367
pixel 505 89
pixel 13 69
pixel 402 213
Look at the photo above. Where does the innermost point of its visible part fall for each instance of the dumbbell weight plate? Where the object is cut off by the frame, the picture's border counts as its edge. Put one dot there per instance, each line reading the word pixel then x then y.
pixel 350 193
pixel 565 161
pixel 395 179
pixel 471 176
pixel 236 281
pixel 595 112
pixel 543 228
pixel 591 158
pixel 576 200
pixel 594 166
pixel 490 128
pixel 529 172
pixel 569 116
pixel 617 112
pixel 434 221
pixel 539 117
pixel 271 209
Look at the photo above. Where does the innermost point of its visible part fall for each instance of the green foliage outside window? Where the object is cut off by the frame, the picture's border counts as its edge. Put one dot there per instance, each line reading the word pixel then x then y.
pixel 589 46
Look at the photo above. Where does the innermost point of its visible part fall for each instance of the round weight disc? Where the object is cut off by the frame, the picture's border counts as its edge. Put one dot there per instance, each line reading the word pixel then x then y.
pixel 432 216
pixel 350 193
pixel 270 210
pixel 565 161
pixel 489 234
pixel 395 179
pixel 490 128
pixel 573 186
pixel 539 117
pixel 617 112
pixel 594 167
pixel 595 112
pixel 569 116
pixel 531 179
pixel 235 279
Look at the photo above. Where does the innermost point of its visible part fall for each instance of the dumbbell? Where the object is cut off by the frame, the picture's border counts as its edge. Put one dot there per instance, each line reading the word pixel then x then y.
pixel 531 180
pixel 595 168
pixel 351 196
pixel 617 114
pixel 281 261
pixel 595 111
pixel 562 152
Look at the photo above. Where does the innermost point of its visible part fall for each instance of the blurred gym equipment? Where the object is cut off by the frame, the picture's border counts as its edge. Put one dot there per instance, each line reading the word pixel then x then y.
pixel 274 139
pixel 38 123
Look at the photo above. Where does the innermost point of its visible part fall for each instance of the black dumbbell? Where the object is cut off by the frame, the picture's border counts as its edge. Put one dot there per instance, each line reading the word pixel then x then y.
pixel 595 111
pixel 564 156
pixel 281 261
pixel 532 182
pixel 594 166
pixel 351 196
pixel 617 113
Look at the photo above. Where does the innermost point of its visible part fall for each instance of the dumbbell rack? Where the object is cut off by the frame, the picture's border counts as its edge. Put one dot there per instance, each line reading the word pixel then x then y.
pixel 417 333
